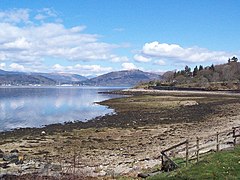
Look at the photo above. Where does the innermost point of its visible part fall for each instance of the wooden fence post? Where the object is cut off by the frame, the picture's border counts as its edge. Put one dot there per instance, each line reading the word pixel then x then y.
pixel 187 152
pixel 234 136
pixel 217 141
pixel 162 159
pixel 197 149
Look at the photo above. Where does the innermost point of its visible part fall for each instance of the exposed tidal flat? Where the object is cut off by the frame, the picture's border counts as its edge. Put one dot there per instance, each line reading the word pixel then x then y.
pixel 126 142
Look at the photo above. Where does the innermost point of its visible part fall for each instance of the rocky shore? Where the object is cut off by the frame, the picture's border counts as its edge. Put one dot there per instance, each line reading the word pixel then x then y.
pixel 121 144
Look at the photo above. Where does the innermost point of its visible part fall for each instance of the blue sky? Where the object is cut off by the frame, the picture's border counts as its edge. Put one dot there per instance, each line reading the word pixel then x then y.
pixel 94 37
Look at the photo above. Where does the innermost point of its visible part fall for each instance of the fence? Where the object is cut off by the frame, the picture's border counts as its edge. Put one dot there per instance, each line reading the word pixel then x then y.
pixel 194 149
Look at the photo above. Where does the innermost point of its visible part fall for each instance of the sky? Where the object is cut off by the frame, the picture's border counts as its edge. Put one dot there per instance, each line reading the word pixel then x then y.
pixel 94 37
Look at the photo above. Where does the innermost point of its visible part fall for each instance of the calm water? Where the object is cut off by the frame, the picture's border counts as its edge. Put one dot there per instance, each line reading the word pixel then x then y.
pixel 35 107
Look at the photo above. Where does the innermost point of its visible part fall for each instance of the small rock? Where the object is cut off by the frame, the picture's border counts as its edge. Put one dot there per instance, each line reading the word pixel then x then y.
pixel 141 175
pixel 188 103
pixel 43 133
pixel 13 158
pixel 25 167
pixel 14 151
pixel 10 157
pixel 102 173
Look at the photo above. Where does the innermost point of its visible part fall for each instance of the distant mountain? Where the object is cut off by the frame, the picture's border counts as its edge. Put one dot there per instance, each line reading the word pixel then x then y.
pixel 118 78
pixel 121 78
pixel 63 78
pixel 22 78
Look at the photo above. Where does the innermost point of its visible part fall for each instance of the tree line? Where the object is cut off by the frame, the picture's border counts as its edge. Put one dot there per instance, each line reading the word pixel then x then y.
pixel 228 74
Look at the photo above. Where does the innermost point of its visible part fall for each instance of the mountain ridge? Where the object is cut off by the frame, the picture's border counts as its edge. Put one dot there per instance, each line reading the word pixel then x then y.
pixel 33 78
pixel 115 78
pixel 122 78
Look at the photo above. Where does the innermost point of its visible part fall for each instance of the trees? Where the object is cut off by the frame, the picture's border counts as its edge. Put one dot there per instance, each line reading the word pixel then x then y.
pixel 234 59
pixel 195 71
pixel 227 73
pixel 215 77
pixel 212 67
pixel 188 72
pixel 209 75
pixel 181 79
pixel 206 73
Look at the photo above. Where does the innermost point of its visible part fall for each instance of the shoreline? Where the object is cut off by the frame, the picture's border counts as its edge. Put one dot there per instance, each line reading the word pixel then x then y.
pixel 130 140
pixel 134 91
pixel 126 92
pixel 96 122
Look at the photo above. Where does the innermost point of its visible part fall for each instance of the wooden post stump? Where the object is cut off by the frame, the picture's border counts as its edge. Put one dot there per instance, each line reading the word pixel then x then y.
pixel 187 152
pixel 197 149
pixel 218 141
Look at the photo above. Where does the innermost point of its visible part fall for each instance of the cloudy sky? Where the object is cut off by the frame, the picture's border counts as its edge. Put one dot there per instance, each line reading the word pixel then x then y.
pixel 94 37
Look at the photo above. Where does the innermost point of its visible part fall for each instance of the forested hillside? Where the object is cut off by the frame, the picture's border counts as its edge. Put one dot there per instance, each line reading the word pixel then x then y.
pixel 213 77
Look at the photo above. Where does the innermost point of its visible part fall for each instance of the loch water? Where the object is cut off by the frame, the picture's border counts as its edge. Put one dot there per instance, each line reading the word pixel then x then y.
pixel 39 106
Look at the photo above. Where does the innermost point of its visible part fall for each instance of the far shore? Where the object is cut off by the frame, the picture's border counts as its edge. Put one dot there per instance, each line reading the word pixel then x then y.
pixel 129 141
pixel 222 92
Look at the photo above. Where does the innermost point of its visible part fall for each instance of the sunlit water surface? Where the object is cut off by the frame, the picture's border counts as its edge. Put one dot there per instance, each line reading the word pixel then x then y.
pixel 38 106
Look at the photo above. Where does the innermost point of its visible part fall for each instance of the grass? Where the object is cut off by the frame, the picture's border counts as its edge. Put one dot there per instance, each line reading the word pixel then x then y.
pixel 221 165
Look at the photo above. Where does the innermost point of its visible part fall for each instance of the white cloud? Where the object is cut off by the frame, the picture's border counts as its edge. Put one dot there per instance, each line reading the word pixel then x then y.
pixel 16 67
pixel 15 16
pixel 115 58
pixel 34 41
pixel 40 17
pixel 45 13
pixel 128 66
pixel 82 69
pixel 20 43
pixel 140 58
pixel 77 29
pixel 175 51
pixel 160 62
pixel 2 65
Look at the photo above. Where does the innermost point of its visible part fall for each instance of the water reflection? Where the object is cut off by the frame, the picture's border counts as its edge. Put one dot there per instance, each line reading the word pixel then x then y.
pixel 34 107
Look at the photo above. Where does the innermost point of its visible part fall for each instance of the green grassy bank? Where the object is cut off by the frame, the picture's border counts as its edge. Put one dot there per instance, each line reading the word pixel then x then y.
pixel 221 165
